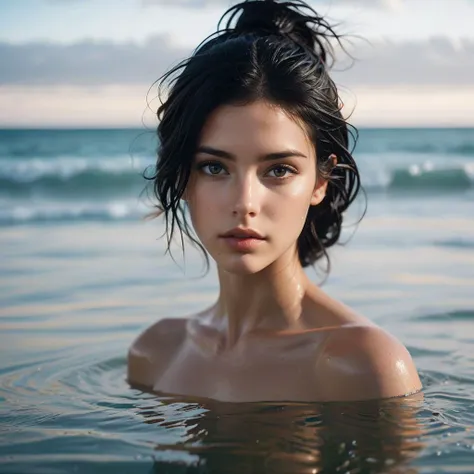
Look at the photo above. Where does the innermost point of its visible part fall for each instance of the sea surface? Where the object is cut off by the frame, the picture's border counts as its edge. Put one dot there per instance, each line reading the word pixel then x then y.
pixel 82 273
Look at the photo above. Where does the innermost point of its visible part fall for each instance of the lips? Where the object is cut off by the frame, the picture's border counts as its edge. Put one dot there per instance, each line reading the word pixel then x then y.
pixel 240 233
pixel 243 240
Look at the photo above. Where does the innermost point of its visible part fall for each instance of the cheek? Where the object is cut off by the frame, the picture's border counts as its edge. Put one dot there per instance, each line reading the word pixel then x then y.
pixel 292 201
pixel 302 189
pixel 205 195
pixel 202 204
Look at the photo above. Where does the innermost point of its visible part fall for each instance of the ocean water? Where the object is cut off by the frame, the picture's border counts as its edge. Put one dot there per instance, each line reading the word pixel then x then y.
pixel 82 273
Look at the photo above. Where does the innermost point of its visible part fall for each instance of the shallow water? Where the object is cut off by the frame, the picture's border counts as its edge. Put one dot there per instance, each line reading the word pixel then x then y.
pixel 75 295
pixel 76 289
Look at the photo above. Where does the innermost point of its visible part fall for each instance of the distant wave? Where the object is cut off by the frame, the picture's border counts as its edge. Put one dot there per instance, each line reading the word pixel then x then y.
pixel 459 315
pixel 71 178
pixel 464 149
pixel 26 170
pixel 57 212
pixel 100 194
pixel 418 179
pixel 112 179
pixel 437 143
pixel 86 183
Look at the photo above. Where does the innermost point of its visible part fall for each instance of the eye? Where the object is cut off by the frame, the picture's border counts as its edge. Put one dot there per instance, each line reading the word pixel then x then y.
pixel 280 171
pixel 212 168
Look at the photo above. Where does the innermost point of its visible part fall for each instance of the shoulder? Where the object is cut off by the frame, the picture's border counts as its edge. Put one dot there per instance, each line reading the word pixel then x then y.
pixel 362 362
pixel 153 349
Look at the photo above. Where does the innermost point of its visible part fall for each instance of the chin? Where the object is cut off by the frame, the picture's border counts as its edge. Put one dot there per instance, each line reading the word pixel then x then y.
pixel 241 264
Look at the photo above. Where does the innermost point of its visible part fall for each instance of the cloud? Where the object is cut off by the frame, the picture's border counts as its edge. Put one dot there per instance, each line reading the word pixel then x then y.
pixel 437 61
pixel 87 62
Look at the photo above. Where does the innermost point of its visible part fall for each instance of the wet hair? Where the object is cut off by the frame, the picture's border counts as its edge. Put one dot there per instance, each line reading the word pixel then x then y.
pixel 279 52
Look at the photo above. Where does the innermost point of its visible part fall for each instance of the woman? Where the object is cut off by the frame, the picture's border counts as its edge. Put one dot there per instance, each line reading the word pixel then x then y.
pixel 253 143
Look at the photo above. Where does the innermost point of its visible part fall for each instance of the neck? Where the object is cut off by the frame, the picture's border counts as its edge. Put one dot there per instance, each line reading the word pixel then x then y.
pixel 268 300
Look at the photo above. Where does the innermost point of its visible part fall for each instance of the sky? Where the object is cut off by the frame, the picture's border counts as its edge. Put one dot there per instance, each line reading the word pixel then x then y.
pixel 91 63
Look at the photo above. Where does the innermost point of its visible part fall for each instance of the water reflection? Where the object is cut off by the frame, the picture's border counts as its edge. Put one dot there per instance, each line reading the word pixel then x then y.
pixel 364 437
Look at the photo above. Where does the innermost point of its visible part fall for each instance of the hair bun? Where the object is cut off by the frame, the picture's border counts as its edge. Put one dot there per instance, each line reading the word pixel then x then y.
pixel 286 18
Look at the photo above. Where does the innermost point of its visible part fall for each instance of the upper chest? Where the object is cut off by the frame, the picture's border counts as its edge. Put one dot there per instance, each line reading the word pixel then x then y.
pixel 253 370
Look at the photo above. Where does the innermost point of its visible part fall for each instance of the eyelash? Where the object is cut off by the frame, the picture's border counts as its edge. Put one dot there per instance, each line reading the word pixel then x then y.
pixel 289 168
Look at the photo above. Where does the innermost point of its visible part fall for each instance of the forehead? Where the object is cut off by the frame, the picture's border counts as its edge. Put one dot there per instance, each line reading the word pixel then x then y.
pixel 258 124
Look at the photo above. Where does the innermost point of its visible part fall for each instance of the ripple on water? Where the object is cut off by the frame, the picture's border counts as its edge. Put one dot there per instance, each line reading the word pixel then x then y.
pixel 75 411
pixel 460 243
pixel 459 315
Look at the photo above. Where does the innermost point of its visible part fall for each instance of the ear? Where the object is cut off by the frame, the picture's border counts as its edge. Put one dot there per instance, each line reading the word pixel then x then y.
pixel 321 185
pixel 319 191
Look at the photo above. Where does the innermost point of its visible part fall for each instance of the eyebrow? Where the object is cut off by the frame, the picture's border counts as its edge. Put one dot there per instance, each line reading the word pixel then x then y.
pixel 269 157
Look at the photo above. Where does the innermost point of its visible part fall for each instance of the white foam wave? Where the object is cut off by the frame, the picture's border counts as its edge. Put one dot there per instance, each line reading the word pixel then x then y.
pixel 377 175
pixel 27 170
pixel 56 211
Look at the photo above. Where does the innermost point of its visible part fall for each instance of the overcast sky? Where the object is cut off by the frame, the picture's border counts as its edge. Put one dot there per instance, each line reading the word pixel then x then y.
pixel 91 62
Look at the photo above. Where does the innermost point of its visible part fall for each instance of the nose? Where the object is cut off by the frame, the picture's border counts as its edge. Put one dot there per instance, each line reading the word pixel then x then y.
pixel 246 196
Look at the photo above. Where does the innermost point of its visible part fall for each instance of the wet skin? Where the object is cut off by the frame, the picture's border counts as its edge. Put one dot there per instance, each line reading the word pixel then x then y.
pixel 272 333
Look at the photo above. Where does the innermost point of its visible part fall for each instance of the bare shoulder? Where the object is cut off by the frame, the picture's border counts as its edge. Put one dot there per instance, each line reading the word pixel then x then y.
pixel 153 349
pixel 362 362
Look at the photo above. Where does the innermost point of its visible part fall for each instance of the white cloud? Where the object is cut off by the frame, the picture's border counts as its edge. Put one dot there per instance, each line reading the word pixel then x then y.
pixel 61 22
pixel 437 61
pixel 87 62
pixel 105 84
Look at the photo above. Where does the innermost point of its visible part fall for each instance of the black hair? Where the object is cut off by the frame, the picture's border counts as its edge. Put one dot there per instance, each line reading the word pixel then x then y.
pixel 268 50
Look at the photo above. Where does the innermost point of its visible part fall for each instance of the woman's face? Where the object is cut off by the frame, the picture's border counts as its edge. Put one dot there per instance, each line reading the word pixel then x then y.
pixel 254 168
